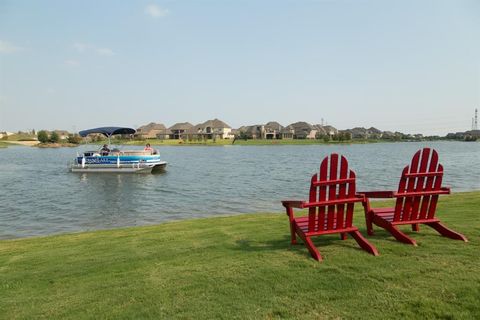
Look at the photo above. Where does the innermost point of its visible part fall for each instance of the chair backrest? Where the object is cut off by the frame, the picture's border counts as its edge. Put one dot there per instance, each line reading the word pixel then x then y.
pixel 419 187
pixel 332 195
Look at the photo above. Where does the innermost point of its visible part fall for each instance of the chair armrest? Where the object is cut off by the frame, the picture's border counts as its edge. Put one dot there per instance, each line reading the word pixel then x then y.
pixel 293 204
pixel 377 194
pixel 447 189
pixel 289 205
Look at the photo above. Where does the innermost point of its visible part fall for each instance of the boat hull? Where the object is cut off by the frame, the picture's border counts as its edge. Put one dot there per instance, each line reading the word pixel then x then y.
pixel 131 163
pixel 132 168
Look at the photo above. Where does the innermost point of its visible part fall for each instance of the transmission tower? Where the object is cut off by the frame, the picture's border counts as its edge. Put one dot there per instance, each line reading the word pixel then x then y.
pixel 476 120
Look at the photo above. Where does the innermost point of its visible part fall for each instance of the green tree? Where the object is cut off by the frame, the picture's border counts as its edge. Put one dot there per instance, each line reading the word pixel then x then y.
pixel 54 138
pixel 74 138
pixel 243 136
pixel 42 136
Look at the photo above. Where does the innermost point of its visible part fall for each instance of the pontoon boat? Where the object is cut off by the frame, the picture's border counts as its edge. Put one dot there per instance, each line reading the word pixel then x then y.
pixel 115 160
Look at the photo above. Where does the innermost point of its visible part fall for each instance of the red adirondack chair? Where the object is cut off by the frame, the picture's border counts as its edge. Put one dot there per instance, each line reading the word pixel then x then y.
pixel 330 206
pixel 417 197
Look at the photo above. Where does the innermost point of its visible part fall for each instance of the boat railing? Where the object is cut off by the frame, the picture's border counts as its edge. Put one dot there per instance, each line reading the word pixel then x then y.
pixel 121 153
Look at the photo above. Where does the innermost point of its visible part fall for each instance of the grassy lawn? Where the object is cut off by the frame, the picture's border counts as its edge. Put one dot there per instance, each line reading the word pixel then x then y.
pixel 3 144
pixel 243 267
pixel 21 136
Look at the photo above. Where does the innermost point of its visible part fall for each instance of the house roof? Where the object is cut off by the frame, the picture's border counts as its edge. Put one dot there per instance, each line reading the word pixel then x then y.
pixel 251 129
pixel 330 128
pixel 374 130
pixel 273 125
pixel 325 129
pixel 215 123
pixel 301 125
pixel 287 129
pixel 320 128
pixel 181 126
pixel 358 130
pixel 151 126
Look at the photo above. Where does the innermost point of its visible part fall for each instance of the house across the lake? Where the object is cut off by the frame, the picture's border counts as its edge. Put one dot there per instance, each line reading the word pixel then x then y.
pixel 181 130
pixel 303 130
pixel 274 130
pixel 270 130
pixel 152 130
pixel 215 128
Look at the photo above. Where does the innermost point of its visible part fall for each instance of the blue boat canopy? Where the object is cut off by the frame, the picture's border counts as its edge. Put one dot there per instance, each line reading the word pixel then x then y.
pixel 107 131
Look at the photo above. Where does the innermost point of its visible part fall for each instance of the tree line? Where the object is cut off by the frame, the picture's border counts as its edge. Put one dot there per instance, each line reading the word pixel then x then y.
pixel 44 136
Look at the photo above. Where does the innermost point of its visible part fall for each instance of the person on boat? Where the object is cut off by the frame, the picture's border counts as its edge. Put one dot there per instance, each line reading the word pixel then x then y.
pixel 148 148
pixel 105 150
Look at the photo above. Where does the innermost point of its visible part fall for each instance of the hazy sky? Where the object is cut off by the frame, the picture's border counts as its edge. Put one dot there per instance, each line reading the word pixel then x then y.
pixel 412 66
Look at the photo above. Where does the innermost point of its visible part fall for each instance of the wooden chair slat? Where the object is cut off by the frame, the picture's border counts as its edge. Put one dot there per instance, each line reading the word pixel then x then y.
pixel 332 202
pixel 332 190
pixel 333 182
pixel 408 202
pixel 342 193
pixel 351 194
pixel 312 211
pixel 401 188
pixel 434 199
pixel 423 174
pixel 433 169
pixel 419 193
pixel 419 184
pixel 322 193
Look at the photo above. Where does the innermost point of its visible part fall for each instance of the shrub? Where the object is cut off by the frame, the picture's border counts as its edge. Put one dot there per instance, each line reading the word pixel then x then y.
pixel 74 138
pixel 54 138
pixel 42 136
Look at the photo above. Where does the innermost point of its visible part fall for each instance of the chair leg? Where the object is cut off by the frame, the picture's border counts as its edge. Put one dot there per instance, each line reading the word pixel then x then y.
pixel 312 249
pixel 416 227
pixel 293 238
pixel 446 232
pixel 399 235
pixel 343 236
pixel 368 222
pixel 362 242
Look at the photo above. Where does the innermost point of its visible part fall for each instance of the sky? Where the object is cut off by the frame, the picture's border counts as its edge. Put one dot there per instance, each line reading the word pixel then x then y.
pixel 409 66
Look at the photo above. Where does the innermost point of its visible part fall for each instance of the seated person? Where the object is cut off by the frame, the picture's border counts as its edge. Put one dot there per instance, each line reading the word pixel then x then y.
pixel 148 148
pixel 105 150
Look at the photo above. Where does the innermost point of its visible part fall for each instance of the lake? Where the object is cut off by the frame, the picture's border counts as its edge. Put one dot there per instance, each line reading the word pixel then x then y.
pixel 39 196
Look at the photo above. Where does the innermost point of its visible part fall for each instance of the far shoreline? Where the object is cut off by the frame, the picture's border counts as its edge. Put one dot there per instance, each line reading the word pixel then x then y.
pixel 210 143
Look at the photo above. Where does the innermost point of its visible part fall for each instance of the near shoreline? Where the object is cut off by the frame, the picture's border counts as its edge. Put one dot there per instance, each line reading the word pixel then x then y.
pixel 244 267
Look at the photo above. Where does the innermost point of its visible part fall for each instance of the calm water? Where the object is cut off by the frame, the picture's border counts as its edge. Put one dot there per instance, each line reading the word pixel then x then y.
pixel 39 196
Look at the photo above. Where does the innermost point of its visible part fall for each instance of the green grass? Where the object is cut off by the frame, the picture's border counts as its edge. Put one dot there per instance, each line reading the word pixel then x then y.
pixel 22 137
pixel 3 144
pixel 243 267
